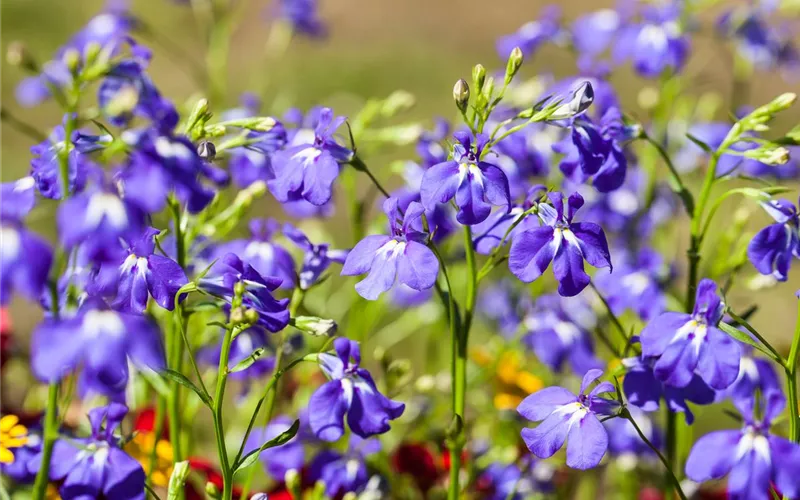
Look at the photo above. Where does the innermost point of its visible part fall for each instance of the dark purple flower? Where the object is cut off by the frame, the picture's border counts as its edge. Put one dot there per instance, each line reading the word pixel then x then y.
pixel 686 344
pixel 25 260
pixel 476 185
pixel 644 390
pixel 352 392
pixel 565 243
pixel 533 34
pixel 571 418
pixel 402 257
pixel 303 16
pixel 489 233
pixel 317 258
pixel 266 257
pixel 279 460
pixel 557 330
pixel 140 273
pixel 343 473
pixel 772 249
pixel 752 458
pixel 505 482
pixel 97 467
pixel 429 147
pixel 657 43
pixel 308 170
pixel 97 219
pixel 127 91
pixel 46 170
pixel 101 341
pixel 229 270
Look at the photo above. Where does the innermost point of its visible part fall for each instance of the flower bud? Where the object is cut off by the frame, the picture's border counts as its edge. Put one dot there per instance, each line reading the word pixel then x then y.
pixel 124 101
pixel 237 316
pixel 72 59
pixel 178 477
pixel 206 150
pixel 212 490
pixel 783 101
pixel 478 76
pixel 769 155
pixel 461 94
pixel 513 65
pixel 293 483
pixel 90 52
pixel 18 55
pixel 251 316
pixel 580 101
pixel 315 326
pixel 264 124
pixel 239 288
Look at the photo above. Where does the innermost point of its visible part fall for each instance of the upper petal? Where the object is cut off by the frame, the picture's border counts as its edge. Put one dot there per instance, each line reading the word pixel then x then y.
pixel 542 403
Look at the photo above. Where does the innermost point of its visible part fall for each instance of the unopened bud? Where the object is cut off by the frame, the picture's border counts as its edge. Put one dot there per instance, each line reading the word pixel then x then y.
pixel 72 59
pixel 349 496
pixel 237 316
pixel 580 101
pixel 461 94
pixel 212 490
pixel 513 65
pixel 124 101
pixel 91 51
pixel 251 316
pixel 783 101
pixel 264 124
pixel 478 76
pixel 293 482
pixel 239 288
pixel 769 156
pixel 18 55
pixel 206 150
pixel 315 326
pixel 178 477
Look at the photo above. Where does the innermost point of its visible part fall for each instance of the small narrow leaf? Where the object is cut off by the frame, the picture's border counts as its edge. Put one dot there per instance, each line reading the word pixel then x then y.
pixel 248 361
pixel 282 438
pixel 702 145
pixel 744 338
pixel 181 379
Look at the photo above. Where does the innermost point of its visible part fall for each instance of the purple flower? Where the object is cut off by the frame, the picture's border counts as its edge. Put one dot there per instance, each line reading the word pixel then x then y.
pixel 343 473
pixel 254 162
pixel 308 170
pixel 19 198
pixel 624 441
pixel 429 147
pixel 489 233
pixel 127 91
pixel 772 249
pixel 594 32
pixel 266 257
pixel 557 330
pixel 755 374
pixel 533 35
pixel 279 460
pixel 46 170
pixel 758 41
pixel 97 219
pixel 476 185
pixel 636 284
pixel 350 391
pixel 656 44
pixel 644 390
pixel 25 260
pixel 499 302
pixel 317 258
pixel 752 458
pixel 303 16
pixel 401 257
pixel 686 344
pixel 229 270
pixel 99 339
pixel 97 467
pixel 571 418
pixel 504 481
pixel 565 243
pixel 139 274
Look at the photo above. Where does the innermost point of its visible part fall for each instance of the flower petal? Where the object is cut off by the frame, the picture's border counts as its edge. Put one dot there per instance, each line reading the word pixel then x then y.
pixel 439 184
pixel 587 443
pixel 532 251
pixel 326 409
pixel 418 267
pixel 712 456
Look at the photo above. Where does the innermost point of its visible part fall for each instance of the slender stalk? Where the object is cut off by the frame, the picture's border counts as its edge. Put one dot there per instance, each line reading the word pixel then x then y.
pixel 219 429
pixel 614 319
pixel 791 382
pixel 673 478
pixel 359 165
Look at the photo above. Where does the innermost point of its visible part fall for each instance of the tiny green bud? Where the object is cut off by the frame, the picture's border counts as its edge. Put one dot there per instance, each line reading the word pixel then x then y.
pixel 206 150
pixel 177 479
pixel 461 94
pixel 478 76
pixel 18 55
pixel 293 483
pixel 315 326
pixel 513 65
pixel 783 101
pixel 237 316
pixel 72 59
pixel 769 155
pixel 251 316
pixel 91 51
pixel 349 496
pixel 488 89
pixel 212 490
pixel 265 124
pixel 239 288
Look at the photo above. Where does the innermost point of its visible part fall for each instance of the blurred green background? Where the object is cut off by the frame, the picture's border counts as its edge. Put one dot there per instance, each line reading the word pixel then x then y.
pixel 373 48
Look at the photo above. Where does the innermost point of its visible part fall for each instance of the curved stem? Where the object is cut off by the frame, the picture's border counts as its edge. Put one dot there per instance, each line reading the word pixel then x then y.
pixel 677 484
pixel 359 165
pixel 219 429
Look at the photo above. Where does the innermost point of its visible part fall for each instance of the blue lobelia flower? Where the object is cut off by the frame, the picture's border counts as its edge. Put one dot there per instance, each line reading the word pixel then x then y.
pixel 565 243
pixel 644 390
pixel 140 273
pixel 657 43
pixel 557 330
pixel 279 460
pixel 475 184
pixel 755 374
pixel 19 198
pixel 571 418
pixel 97 219
pixel 637 283
pixel 534 34
pixel 594 32
pixel 401 257
pixel 97 467
pixel 45 165
pixel 352 392
pixel 317 257
pixel 308 170
pixel 429 147
pixel 752 458
pixel 344 473
pixel 686 344
pixel 302 15
pixel 99 339
pixel 488 234
pixel 772 249
pixel 624 441
pixel 266 256
pixel 501 481
pixel 229 270
pixel 500 302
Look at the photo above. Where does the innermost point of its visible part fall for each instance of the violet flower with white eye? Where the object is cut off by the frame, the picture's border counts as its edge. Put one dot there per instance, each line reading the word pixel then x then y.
pixel 571 418
pixel 350 392
pixel 46 170
pixel 141 273
pixel 402 257
pixel 532 35
pixel 261 252
pixel 344 472
pixel 657 43
pixel 686 344
pixel 99 339
pixel 772 249
pixel 316 259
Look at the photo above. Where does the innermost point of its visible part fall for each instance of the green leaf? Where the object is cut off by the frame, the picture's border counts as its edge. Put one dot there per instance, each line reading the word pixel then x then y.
pixel 155 382
pixel 177 479
pixel 744 338
pixel 202 274
pixel 282 438
pixel 702 145
pixel 181 379
pixel 248 361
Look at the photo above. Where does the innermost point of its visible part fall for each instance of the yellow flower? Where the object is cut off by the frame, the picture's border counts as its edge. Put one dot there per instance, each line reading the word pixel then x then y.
pixel 514 382
pixel 141 448
pixel 12 435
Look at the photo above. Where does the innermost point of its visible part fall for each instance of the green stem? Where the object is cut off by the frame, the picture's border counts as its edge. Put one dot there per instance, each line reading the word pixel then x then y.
pixel 673 479
pixel 359 165
pixel 791 382
pixel 219 429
